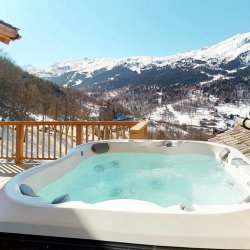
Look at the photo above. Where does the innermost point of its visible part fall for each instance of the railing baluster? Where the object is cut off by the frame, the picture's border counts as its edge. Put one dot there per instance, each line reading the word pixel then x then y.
pixel 12 141
pixel 26 141
pixel 72 136
pixel 55 132
pixel 43 139
pixel 66 139
pixel 104 133
pixel 49 142
pixel 2 139
pixel 60 139
pixel 99 132
pixel 93 133
pixel 111 132
pixel 31 142
pixel 37 142
pixel 117 132
pixel 7 143
pixel 123 132
pixel 87 133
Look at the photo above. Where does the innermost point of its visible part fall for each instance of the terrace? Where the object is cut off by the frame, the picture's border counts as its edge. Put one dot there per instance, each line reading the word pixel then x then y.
pixel 28 143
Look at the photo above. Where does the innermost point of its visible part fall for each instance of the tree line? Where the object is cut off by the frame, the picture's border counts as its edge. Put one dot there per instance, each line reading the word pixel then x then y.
pixel 23 94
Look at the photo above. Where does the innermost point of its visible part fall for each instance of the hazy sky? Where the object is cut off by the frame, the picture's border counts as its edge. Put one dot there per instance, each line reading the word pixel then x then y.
pixel 54 30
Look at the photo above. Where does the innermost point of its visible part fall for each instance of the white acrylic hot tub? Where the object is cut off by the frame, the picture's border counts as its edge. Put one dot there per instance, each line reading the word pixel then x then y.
pixel 127 220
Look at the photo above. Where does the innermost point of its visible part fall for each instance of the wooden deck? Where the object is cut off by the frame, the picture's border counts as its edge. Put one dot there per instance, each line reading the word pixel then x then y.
pixel 8 170
pixel 237 137
pixel 11 169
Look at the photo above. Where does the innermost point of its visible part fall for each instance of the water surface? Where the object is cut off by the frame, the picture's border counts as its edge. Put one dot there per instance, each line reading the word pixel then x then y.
pixel 162 179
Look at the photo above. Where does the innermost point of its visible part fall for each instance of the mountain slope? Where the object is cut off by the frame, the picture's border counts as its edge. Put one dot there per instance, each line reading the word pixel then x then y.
pixel 24 96
pixel 185 68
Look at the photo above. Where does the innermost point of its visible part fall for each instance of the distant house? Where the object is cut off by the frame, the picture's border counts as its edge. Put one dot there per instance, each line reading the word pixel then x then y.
pixel 8 33
pixel 122 117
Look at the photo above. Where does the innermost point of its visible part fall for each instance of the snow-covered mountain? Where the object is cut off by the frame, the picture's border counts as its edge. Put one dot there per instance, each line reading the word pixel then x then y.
pixel 189 67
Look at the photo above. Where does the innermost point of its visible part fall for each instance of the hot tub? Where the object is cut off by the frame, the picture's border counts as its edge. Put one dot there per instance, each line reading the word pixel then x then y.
pixel 207 216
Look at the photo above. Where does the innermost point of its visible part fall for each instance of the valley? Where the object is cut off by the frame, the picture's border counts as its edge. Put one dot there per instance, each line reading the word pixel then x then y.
pixel 190 95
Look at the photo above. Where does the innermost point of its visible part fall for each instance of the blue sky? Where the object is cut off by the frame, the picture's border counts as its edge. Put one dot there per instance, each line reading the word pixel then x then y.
pixel 55 30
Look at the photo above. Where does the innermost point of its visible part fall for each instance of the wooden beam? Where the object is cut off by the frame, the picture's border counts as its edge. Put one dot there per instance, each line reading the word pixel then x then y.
pixel 4 40
pixel 8 28
pixel 10 34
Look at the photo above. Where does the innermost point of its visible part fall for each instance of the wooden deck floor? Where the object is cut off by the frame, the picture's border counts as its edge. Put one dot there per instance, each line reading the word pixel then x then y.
pixel 8 170
pixel 11 169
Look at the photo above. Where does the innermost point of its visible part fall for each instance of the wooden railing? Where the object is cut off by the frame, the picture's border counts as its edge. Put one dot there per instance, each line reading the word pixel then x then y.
pixel 51 140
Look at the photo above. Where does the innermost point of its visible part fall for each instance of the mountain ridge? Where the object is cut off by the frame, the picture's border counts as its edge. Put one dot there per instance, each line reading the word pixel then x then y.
pixel 230 54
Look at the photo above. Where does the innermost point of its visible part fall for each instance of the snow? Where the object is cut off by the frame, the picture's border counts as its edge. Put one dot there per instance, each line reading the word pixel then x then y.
pixel 78 82
pixel 224 51
pixel 193 120
pixel 213 98
pixel 182 118
pixel 158 114
pixel 241 110
pixel 169 114
pixel 94 110
pixel 40 117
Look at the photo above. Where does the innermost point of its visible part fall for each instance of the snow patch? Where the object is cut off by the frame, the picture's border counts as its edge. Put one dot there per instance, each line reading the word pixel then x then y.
pixel 78 82
pixel 241 110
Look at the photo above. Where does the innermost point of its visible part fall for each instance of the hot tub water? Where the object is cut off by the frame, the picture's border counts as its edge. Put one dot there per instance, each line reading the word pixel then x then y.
pixel 159 178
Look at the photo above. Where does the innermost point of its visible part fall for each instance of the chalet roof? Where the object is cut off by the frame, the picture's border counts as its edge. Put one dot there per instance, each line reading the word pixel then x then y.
pixel 8 32
pixel 238 137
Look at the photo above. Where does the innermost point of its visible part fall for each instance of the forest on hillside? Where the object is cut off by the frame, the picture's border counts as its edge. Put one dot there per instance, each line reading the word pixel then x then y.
pixel 23 95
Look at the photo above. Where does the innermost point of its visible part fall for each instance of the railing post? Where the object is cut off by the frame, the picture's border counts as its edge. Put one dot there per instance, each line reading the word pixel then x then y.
pixel 145 132
pixel 87 134
pixel 78 134
pixel 139 131
pixel 19 143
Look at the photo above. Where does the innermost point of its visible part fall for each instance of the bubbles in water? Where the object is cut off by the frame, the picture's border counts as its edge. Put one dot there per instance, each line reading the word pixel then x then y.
pixel 163 179
pixel 115 192
pixel 99 168
pixel 115 164
pixel 157 183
